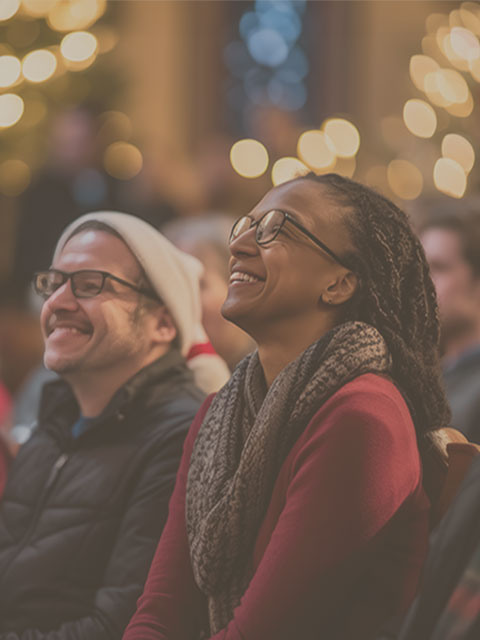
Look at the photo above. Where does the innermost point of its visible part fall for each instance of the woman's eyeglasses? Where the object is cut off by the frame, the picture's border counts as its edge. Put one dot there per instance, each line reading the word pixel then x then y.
pixel 86 283
pixel 269 226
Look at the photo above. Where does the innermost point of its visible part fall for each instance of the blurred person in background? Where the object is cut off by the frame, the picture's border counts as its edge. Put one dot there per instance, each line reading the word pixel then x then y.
pixel 206 238
pixel 299 510
pixel 87 496
pixel 451 238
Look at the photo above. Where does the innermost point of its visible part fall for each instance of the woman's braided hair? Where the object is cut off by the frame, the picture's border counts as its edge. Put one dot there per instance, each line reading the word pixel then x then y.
pixel 395 294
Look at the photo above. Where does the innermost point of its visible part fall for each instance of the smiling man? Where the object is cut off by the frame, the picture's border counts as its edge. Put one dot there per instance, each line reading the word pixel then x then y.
pixel 87 496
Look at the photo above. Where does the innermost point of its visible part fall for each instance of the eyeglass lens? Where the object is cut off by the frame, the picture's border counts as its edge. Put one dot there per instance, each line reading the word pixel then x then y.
pixel 267 227
pixel 85 284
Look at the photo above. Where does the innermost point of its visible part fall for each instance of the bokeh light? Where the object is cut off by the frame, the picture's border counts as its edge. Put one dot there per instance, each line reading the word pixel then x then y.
pixel 420 118
pixel 449 177
pixel 8 8
pixel 249 158
pixel 78 46
pixel 122 160
pixel 420 66
pixel 404 179
pixel 286 169
pixel 316 150
pixel 38 8
pixel 10 69
pixel 11 109
pixel 39 65
pixel 461 110
pixel 14 177
pixel 464 43
pixel 458 148
pixel 344 137
pixel 75 14
pixel 470 16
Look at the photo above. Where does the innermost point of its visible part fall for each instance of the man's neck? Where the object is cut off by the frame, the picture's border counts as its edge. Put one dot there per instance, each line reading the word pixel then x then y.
pixel 93 390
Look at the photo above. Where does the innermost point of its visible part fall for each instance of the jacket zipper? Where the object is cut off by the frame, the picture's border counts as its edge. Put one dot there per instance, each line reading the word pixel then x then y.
pixel 54 472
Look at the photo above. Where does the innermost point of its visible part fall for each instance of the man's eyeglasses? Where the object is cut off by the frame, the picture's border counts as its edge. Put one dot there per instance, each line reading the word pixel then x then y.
pixel 86 283
pixel 269 226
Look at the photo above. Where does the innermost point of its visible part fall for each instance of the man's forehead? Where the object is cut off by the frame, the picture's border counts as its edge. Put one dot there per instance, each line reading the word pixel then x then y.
pixel 100 248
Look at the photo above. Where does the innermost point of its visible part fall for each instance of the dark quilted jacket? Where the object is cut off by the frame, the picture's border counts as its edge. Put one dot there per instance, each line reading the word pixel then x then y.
pixel 80 518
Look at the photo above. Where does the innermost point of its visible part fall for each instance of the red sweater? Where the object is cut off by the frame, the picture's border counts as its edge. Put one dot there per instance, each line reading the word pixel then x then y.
pixel 342 543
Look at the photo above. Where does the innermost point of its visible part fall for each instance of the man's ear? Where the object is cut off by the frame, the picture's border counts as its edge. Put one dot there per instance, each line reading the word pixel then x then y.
pixel 341 289
pixel 164 330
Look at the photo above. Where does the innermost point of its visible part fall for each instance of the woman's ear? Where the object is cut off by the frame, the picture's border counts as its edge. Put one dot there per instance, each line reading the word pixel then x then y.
pixel 341 289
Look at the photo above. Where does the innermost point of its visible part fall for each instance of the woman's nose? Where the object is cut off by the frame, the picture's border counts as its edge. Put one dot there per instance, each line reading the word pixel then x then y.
pixel 245 243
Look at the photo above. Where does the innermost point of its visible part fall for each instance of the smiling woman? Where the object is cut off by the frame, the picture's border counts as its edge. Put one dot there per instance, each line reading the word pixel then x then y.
pixel 299 510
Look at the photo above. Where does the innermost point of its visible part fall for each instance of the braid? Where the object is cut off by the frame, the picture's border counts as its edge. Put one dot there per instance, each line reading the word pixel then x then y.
pixel 396 294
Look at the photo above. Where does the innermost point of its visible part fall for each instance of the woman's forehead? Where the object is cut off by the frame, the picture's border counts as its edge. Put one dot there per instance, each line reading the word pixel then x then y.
pixel 306 200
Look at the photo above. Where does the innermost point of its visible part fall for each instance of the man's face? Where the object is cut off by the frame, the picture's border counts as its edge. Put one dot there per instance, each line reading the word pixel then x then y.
pixel 100 336
pixel 458 291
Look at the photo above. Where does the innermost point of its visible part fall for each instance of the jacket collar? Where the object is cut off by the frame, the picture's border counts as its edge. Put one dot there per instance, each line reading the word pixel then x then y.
pixel 58 404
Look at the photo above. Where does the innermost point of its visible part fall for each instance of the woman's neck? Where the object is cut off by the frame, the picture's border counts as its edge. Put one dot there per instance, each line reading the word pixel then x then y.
pixel 276 351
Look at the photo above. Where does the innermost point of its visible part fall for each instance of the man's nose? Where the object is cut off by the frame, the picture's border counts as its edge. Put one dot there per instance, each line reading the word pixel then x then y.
pixel 63 298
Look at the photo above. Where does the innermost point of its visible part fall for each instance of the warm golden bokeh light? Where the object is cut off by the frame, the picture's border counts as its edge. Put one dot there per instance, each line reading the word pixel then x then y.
pixel 343 135
pixel 8 8
pixel 449 177
pixel 474 67
pixel 464 43
pixel 10 69
pixel 450 53
pixel 115 125
pixel 286 169
pixel 452 86
pixel 420 66
pixel 78 46
pixel 37 8
pixel 458 148
pixel 404 179
pixel 461 110
pixel 11 109
pixel 14 177
pixel 315 149
pixel 249 158
pixel 75 14
pixel 420 118
pixel 39 65
pixel 122 160
pixel 470 16
pixel 432 90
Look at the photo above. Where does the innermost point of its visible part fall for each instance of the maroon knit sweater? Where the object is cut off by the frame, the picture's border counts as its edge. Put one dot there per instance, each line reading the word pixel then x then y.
pixel 342 543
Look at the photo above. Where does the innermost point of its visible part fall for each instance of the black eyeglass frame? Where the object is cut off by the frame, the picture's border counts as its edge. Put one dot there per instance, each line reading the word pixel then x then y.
pixel 70 276
pixel 295 223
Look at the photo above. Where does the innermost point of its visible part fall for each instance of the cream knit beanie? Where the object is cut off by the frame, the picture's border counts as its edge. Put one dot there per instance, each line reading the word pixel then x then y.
pixel 174 276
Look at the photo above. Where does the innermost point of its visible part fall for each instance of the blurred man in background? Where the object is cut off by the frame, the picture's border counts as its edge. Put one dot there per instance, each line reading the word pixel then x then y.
pixel 87 496
pixel 451 239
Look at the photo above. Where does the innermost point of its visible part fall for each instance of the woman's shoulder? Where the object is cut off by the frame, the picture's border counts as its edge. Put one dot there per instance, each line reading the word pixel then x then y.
pixel 370 407
pixel 371 392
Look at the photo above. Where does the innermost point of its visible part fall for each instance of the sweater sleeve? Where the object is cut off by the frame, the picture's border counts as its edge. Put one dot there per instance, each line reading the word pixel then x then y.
pixel 353 468
pixel 172 605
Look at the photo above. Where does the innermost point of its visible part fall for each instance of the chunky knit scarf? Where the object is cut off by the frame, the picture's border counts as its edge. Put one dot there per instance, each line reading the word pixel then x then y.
pixel 245 437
